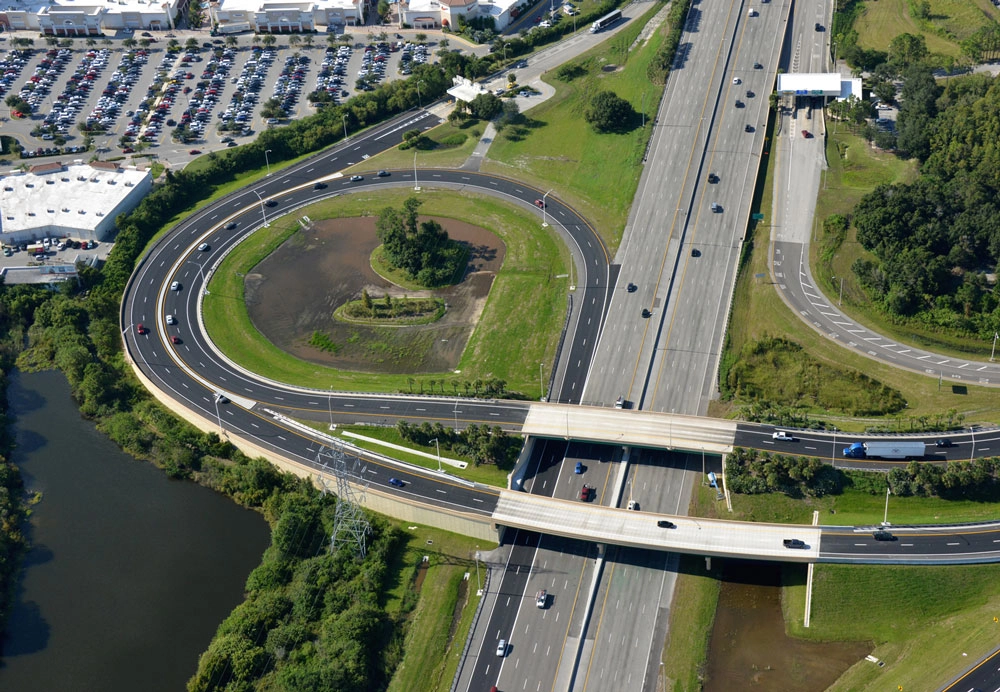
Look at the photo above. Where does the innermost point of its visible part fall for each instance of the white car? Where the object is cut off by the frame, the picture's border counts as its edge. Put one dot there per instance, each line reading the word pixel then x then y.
pixel 171 319
pixel 782 435
pixel 175 285
pixel 502 648
pixel 633 505
pixel 737 80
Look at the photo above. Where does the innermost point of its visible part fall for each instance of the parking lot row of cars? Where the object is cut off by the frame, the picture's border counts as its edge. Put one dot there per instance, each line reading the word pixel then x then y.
pixel 239 114
pixel 39 84
pixel 11 66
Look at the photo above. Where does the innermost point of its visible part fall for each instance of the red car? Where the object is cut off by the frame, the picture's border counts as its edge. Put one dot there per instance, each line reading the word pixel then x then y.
pixel 140 328
pixel 540 204
pixel 805 134
pixel 175 339
pixel 195 152
pixel 128 150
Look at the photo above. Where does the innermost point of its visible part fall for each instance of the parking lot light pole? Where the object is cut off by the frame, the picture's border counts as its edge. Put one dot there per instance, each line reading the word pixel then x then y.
pixel 545 217
pixel 262 211
pixel 266 162
pixel 420 98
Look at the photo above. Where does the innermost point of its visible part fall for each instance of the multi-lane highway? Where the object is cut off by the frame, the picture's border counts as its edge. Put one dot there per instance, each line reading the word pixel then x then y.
pixel 584 619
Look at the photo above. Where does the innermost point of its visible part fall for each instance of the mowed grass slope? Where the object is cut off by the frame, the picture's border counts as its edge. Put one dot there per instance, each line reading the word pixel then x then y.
pixel 519 327
pixel 950 22
pixel 596 173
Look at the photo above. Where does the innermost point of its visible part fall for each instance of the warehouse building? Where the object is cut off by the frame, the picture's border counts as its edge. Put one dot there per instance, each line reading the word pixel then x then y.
pixel 78 200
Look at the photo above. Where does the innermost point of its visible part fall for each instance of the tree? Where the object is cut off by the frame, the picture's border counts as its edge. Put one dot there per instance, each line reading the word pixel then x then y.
pixel 191 44
pixel 269 40
pixel 917 110
pixel 294 40
pixel 420 38
pixel 383 10
pixel 308 40
pixel 908 49
pixel 485 106
pixel 231 42
pixel 272 109
pixel 608 112
pixel 144 43
pixel 366 300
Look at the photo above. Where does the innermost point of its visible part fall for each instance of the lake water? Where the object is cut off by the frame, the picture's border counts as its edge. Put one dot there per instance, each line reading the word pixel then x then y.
pixel 130 573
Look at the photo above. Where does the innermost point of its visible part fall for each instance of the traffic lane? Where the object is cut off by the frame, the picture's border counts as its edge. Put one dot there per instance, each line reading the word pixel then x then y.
pixel 985 675
pixel 909 544
pixel 540 635
pixel 347 409
pixel 831 446
pixel 503 615
pixel 594 473
pixel 622 629
pixel 548 455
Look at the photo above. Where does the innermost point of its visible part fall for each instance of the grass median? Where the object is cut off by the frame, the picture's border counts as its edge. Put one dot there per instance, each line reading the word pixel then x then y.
pixel 534 281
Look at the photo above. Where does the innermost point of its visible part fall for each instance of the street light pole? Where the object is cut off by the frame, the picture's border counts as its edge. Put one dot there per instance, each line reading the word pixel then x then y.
pixel 541 388
pixel 262 212
pixel 420 98
pixel 329 402
pixel 436 444
pixel 885 517
pixel 416 185
pixel 266 161
pixel 479 584
pixel 841 298
pixel 344 118
pixel 218 416
pixel 972 454
pixel 545 222
pixel 996 335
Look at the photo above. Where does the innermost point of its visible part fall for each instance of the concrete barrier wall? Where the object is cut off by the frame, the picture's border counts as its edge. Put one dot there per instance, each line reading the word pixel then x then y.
pixel 394 506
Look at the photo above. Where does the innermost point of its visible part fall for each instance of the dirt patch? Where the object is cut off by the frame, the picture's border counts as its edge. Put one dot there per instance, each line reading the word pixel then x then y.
pixel 294 292
pixel 749 649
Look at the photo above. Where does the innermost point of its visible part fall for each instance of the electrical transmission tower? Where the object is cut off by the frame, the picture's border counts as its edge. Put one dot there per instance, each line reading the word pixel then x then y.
pixel 350 526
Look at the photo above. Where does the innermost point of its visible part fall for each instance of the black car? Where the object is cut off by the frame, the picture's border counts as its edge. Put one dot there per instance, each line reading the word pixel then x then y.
pixel 713 178
pixel 231 225
pixel 739 104
pixel 383 174
pixel 646 313
pixel 748 128
pixel 319 186
pixel 758 66
pixel 270 203
pixel 396 483
pixel 631 288
pixel 695 252
pixel 944 442
pixel 883 535
pixel 664 524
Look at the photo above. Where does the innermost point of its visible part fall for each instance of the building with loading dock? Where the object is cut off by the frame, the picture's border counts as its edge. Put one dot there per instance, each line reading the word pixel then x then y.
pixel 78 200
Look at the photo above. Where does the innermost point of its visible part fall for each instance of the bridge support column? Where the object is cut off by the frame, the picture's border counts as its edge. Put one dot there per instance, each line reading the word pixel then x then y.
pixel 708 563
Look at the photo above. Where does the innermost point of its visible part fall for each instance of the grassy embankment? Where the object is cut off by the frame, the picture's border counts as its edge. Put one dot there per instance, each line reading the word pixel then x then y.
pixel 596 173
pixel 502 346
pixel 489 475
pixel 950 22
pixel 451 146
pixel 439 624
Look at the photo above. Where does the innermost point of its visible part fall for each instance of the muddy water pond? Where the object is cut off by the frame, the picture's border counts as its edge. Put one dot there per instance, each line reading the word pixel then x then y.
pixel 749 649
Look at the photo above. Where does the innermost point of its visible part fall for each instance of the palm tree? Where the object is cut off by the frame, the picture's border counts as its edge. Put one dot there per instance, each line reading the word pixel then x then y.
pixel 231 41
pixel 52 41
pixel 190 44
pixel 332 40
pixel 91 42
pixel 173 45
pixel 144 42
pixel 294 40
pixel 130 43
pixel 268 40
pixel 106 41
pixel 308 40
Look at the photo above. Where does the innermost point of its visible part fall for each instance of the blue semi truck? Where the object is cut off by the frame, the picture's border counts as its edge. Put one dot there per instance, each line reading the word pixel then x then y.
pixel 890 449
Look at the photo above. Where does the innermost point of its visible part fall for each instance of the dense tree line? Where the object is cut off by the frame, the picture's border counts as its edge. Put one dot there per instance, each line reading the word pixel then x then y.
pixel 749 471
pixel 481 443
pixel 313 619
pixel 935 240
pixel 422 250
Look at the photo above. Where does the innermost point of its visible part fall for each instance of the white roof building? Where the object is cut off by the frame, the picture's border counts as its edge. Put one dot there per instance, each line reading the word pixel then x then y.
pixel 284 16
pixel 80 200
pixel 83 18
pixel 433 14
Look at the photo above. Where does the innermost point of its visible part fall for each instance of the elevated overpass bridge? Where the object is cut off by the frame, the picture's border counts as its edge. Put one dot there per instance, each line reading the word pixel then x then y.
pixel 910 545
pixel 630 428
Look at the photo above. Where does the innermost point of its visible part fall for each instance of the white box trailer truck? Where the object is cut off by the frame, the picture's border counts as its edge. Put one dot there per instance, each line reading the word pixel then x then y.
pixel 890 449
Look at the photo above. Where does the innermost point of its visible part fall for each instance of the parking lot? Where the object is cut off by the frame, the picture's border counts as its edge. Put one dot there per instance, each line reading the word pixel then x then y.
pixel 177 105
